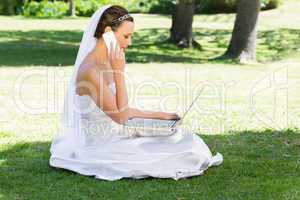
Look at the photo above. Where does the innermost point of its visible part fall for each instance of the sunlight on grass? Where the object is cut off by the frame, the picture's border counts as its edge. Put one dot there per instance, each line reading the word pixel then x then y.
pixel 59 48
pixel 52 44
pixel 224 104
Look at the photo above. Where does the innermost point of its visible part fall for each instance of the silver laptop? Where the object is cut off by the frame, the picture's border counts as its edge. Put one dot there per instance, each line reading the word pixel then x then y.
pixel 149 123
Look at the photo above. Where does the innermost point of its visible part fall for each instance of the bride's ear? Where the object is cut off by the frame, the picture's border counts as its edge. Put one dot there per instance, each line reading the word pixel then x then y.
pixel 108 28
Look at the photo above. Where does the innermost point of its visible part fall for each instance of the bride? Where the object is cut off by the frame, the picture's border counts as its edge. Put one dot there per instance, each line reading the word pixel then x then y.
pixel 90 140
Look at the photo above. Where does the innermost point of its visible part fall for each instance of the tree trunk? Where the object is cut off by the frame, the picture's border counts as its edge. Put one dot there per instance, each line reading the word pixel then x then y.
pixel 8 7
pixel 182 20
pixel 72 8
pixel 243 41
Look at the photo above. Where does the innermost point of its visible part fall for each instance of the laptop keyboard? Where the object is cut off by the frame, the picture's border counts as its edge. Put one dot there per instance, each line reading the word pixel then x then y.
pixel 149 123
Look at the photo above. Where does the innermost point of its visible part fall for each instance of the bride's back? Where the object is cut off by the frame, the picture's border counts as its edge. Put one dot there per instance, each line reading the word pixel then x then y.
pixel 91 66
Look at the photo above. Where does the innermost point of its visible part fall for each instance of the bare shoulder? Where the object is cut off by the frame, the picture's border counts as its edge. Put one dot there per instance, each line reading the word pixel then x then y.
pixel 86 71
pixel 86 77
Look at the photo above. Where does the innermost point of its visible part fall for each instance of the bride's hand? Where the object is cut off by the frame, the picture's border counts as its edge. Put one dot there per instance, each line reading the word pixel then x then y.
pixel 168 116
pixel 117 58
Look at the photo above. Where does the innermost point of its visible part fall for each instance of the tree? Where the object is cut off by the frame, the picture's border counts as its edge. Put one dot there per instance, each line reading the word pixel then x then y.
pixel 182 20
pixel 243 40
pixel 72 8
pixel 8 7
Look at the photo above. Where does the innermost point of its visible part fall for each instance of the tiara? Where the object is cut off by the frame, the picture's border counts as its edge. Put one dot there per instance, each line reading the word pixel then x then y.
pixel 122 18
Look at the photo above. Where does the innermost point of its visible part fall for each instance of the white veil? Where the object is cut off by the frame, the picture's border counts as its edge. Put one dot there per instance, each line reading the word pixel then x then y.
pixel 69 132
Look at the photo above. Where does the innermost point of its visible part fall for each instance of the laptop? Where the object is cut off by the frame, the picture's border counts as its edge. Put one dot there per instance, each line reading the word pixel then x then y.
pixel 155 127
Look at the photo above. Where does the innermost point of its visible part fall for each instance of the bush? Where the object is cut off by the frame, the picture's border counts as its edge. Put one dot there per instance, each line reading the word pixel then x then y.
pixel 61 8
pixel 136 6
pixel 46 9
pixel 88 7
pixel 146 6
pixel 271 4
pixel 163 6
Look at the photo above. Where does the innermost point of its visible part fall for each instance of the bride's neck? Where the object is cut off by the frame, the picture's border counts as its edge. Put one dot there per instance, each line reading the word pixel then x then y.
pixel 100 52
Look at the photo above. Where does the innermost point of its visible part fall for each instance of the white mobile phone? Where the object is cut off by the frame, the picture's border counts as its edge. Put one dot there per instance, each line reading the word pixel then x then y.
pixel 110 39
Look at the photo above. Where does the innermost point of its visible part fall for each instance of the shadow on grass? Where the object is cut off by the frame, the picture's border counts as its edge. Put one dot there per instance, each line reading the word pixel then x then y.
pixel 59 48
pixel 257 165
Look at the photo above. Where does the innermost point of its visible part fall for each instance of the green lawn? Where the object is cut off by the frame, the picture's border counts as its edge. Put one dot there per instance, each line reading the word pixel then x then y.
pixel 249 113
pixel 258 165
pixel 57 47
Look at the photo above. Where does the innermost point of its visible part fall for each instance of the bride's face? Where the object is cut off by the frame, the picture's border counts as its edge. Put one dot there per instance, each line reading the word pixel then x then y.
pixel 124 34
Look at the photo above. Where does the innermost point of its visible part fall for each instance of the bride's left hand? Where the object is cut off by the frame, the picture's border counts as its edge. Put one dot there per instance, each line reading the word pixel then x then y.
pixel 168 116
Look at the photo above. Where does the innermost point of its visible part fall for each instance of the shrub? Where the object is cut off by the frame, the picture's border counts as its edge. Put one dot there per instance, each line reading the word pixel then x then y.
pixel 86 7
pixel 45 9
pixel 271 4
pixel 146 6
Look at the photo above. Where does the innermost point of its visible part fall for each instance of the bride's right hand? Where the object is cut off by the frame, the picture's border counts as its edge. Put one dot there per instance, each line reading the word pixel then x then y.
pixel 117 58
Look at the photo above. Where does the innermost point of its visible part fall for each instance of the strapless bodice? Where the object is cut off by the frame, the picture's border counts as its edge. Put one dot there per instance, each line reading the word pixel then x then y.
pixel 95 123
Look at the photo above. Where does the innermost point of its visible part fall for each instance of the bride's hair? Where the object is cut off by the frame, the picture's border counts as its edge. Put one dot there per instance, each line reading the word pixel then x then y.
pixel 110 18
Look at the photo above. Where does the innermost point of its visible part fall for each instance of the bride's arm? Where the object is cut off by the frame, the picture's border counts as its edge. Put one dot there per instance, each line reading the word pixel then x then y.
pixel 151 114
pixel 122 101
pixel 121 92
pixel 116 107
pixel 117 60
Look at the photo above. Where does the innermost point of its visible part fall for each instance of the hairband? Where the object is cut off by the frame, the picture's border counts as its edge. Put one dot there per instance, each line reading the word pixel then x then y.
pixel 122 18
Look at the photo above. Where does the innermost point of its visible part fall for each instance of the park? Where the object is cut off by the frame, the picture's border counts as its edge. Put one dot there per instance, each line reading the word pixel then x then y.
pixel 249 108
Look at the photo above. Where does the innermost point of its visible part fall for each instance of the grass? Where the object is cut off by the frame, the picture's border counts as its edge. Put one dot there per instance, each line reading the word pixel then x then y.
pixel 258 165
pixel 49 43
pixel 249 113
pixel 58 48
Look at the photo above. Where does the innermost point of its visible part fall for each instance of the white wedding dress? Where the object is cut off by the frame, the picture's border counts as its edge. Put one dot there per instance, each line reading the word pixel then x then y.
pixel 116 156
pixel 90 143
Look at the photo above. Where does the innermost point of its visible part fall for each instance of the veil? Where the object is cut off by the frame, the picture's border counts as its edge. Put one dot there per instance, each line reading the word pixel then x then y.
pixel 69 133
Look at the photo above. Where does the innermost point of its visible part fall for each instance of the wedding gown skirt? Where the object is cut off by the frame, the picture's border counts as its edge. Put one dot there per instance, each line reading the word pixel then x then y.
pixel 107 153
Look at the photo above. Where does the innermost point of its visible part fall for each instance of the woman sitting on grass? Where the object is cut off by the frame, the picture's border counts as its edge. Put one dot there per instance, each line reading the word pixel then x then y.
pixel 90 140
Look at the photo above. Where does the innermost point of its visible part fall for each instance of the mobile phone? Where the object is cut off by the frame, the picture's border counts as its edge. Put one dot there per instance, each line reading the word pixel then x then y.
pixel 110 41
